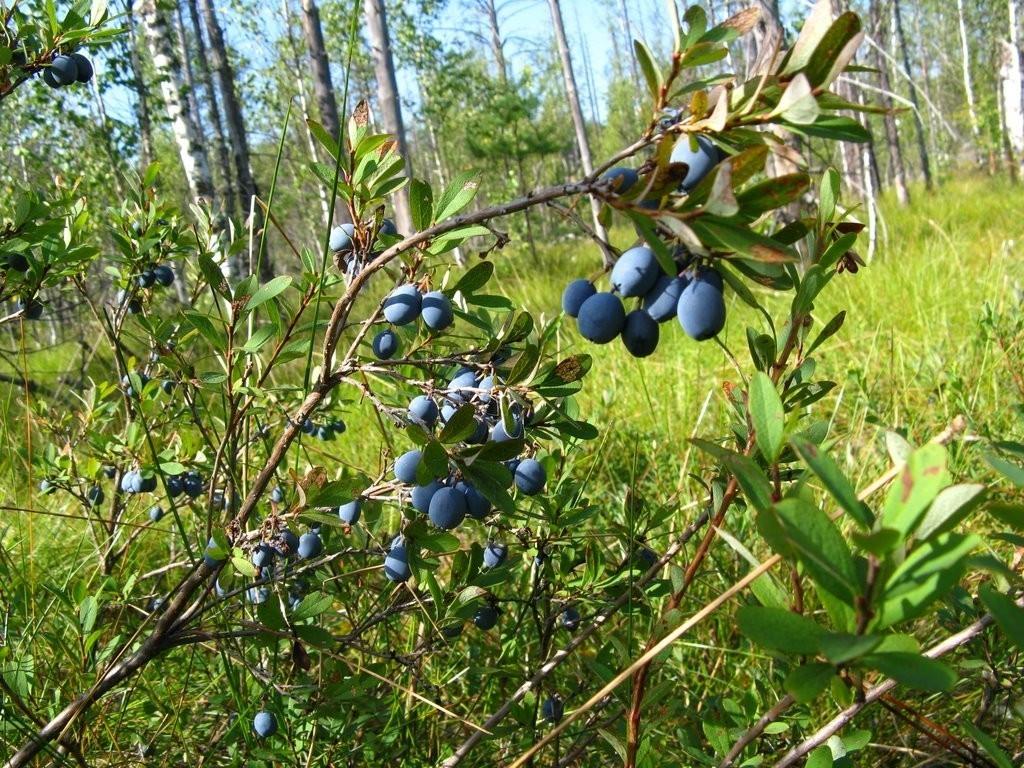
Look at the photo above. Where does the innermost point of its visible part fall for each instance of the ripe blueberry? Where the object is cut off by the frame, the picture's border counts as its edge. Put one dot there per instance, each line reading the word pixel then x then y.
pixel 495 554
pixel 310 545
pixel 530 477
pixel 406 465
pixel 553 709
pixel 636 271
pixel 622 179
pixel 163 274
pixel 447 508
pixel 575 294
pixel 341 237
pixel 155 513
pixel 640 333
pixel 477 505
pixel 349 513
pixel 699 158
pixel 422 495
pixel 265 724
pixel 423 411
pixel 570 618
pixel 486 617
pixel 601 318
pixel 83 67
pixel 385 345
pixel 701 308
pixel 63 69
pixel 437 311
pixel 403 305
pixel 661 301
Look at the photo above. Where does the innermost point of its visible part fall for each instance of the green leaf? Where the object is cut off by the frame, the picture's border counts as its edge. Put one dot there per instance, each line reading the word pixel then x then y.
pixel 1012 472
pixel 805 682
pixel 767 415
pixel 828 195
pixel 328 142
pixel 913 670
pixel 456 196
pixel 814 280
pixel 475 278
pixel 737 237
pixel 835 482
pixel 262 335
pixel 917 485
pixel 798 104
pixel 813 30
pixel 834 51
pixel 840 647
pixel 835 127
pixel 1008 615
pixel 421 203
pixel 244 566
pixel 831 329
pixel 779 629
pixel 652 74
pixel 750 477
pixel 312 605
pixel 88 611
pixel 334 493
pixel 721 200
pixel 433 464
pixel 491 479
pixel 773 193
pixel 270 616
pixel 820 757
pixel 267 291
pixel 988 744
pixel 461 425
pixel 820 547
pixel 950 507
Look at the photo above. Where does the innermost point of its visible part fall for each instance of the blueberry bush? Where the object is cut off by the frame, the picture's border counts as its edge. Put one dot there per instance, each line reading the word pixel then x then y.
pixel 440 585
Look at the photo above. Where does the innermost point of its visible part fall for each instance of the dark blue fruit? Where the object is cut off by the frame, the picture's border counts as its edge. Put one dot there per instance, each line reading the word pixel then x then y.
pixel 385 345
pixel 131 482
pixel 110 471
pixel 257 595
pixel 486 617
pixel 94 496
pixel 553 709
pixel 699 158
pixel 349 513
pixel 570 618
pixel 167 385
pixel 463 379
pixel 500 434
pixel 477 505
pixel 83 67
pixel 15 261
pixel 30 308
pixel 265 724
pixel 193 484
pixel 209 559
pixel 437 311
pixel 640 333
pixel 447 508
pixel 174 486
pixel 263 555
pixel 601 318
pixel 50 78
pixel 495 554
pixel 341 237
pixel 708 274
pixel 661 301
pixel 423 494
pixel 145 279
pixel 406 465
pixel 63 69
pixel 308 427
pixel 636 271
pixel 155 513
pixel 575 294
pixel 148 483
pixel 701 308
pixel 325 433
pixel 530 477
pixel 646 558
pixel 337 426
pixel 622 179
pixel 387 227
pixel 396 563
pixel 277 495
pixel 310 545
pixel 289 542
pixel 423 411
pixel 163 274
pixel 403 305
pixel 46 487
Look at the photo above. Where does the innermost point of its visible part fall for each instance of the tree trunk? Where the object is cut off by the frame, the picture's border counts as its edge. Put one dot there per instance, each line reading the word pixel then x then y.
pixel 389 102
pixel 1011 80
pixel 230 195
pixel 965 54
pixel 190 84
pixel 892 135
pixel 922 146
pixel 497 44
pixel 197 173
pixel 236 130
pixel 571 94
pixel 141 96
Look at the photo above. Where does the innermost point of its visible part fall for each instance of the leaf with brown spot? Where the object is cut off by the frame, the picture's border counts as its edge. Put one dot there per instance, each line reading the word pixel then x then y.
pixel 744 21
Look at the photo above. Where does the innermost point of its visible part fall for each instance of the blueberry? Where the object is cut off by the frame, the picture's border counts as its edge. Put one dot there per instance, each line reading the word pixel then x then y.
pixel 50 78
pixel 83 68
pixel 145 279
pixel 174 486
pixel 487 384
pixel 646 558
pixel 622 179
pixel 132 482
pixel 477 505
pixel 447 508
pixel 449 405
pixel 385 345
pixel 530 477
pixel 31 308
pixel 601 318
pixel 396 563
pixel 479 434
pixel 486 617
pixel 661 301
pixel 575 294
pixel 406 465
pixel 387 227
pixel 310 545
pixel 64 70
pixel 163 274
pixel 423 411
pixel 265 724
pixel 699 159
pixel 437 311
pixel 46 487
pixel 341 237
pixel 499 434
pixel 636 271
pixel 277 494
pixel 494 554
pixel 208 557
pixel 423 494
pixel 465 378
pixel 289 542
pixel 110 471
pixel 15 261
pixel 308 427
pixel 640 333
pixel 337 426
pixel 257 595
pixel 570 618
pixel 349 513
pixel 193 484
pixel 325 433
pixel 403 305
pixel 148 483
pixel 553 709
pixel 708 274
pixel 155 513
pixel 262 555
pixel 701 308
pixel 94 496
pixel 167 385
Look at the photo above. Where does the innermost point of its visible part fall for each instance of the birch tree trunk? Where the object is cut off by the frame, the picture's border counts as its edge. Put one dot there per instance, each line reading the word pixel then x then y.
pixel 220 143
pixel 892 135
pixel 922 146
pixel 490 9
pixel 965 55
pixel 236 129
pixel 139 86
pixel 388 101
pixel 158 37
pixel 323 88
pixel 1011 79
pixel 572 95
pixel 190 84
